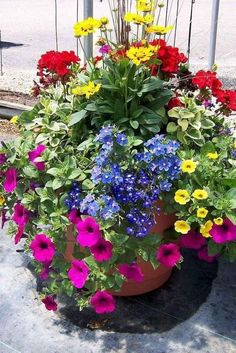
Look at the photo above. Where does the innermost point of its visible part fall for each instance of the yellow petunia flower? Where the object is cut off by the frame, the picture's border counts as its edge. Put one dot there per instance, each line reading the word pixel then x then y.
pixel 212 155
pixel 14 119
pixel 88 90
pixel 182 196
pixel 2 200
pixel 202 212
pixel 141 55
pixel 205 229
pixel 200 194
pixel 219 221
pixel 188 166
pixel 159 29
pixel 86 27
pixel 144 5
pixel 182 227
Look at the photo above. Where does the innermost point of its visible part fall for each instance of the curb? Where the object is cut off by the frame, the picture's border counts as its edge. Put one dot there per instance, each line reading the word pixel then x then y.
pixel 9 109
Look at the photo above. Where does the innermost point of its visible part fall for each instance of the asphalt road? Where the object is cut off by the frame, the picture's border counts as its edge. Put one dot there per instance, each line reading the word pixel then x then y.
pixel 31 23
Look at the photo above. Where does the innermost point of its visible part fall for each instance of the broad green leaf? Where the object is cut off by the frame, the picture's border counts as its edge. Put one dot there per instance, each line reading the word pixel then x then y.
pixel 77 117
pixel 153 84
pixel 134 124
pixel 231 196
pixel 183 123
pixel 53 171
pixel 57 183
pixel 213 248
pixel 31 171
pixel 207 124
pixel 194 134
pixel 171 127
pixel 232 216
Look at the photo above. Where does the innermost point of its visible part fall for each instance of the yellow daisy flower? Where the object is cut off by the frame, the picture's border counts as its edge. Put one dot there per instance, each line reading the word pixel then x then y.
pixel 140 55
pixel 144 5
pixel 212 155
pixel 182 196
pixel 202 212
pixel 159 29
pixel 2 200
pixel 219 221
pixel 88 90
pixel 182 227
pixel 14 119
pixel 188 166
pixel 200 194
pixel 86 27
pixel 205 229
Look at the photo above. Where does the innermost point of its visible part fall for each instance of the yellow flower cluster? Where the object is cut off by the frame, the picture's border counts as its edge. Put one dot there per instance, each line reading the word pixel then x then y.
pixel 188 166
pixel 88 90
pixel 212 155
pixel 2 200
pixel 144 5
pixel 219 221
pixel 205 229
pixel 138 19
pixel 182 227
pixel 202 212
pixel 200 194
pixel 159 29
pixel 86 27
pixel 141 55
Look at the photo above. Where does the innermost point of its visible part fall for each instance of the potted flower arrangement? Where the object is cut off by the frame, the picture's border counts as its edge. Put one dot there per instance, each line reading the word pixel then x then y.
pixel 123 162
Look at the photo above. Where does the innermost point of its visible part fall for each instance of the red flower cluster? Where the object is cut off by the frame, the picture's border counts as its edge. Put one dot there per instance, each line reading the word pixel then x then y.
pixel 54 67
pixel 170 57
pixel 208 79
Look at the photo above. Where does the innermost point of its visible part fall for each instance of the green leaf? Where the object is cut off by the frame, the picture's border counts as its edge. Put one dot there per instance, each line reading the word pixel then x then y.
pixel 231 196
pixel 194 134
pixel 57 183
pixel 31 171
pixel 207 148
pixel 153 84
pixel 134 124
pixel 53 171
pixel 137 142
pixel 174 112
pixel 75 173
pixel 77 117
pixel 183 123
pixel 207 124
pixel 171 127
pixel 87 184
pixel 213 248
pixel 232 216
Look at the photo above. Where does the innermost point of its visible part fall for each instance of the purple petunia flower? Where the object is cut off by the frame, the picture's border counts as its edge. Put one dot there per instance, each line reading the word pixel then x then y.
pixel 43 248
pixel 192 240
pixel 131 272
pixel 78 273
pixel 34 154
pixel 223 233
pixel 168 254
pixel 88 232
pixel 105 49
pixel 103 302
pixel 10 182
pixel 102 250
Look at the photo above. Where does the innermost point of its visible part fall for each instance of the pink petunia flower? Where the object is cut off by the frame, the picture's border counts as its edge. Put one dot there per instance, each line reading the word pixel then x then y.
pixel 223 233
pixel 44 274
pixel 103 302
pixel 203 255
pixel 34 154
pixel 50 303
pixel 102 250
pixel 3 158
pixel 88 232
pixel 74 216
pixel 105 49
pixel 20 215
pixel 168 254
pixel 192 240
pixel 10 182
pixel 43 248
pixel 132 272
pixel 3 218
pixel 78 273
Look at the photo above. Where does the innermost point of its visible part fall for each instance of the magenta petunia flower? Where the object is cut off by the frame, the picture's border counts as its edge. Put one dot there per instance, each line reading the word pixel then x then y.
pixel 20 215
pixel 102 250
pixel 50 303
pixel 43 248
pixel 132 272
pixel 3 158
pixel 3 218
pixel 78 273
pixel 20 232
pixel 44 274
pixel 74 216
pixel 223 233
pixel 10 182
pixel 105 49
pixel 34 154
pixel 192 240
pixel 103 302
pixel 203 255
pixel 88 232
pixel 168 254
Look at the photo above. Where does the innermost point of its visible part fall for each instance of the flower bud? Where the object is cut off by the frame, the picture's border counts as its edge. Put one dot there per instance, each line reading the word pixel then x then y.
pixel 161 3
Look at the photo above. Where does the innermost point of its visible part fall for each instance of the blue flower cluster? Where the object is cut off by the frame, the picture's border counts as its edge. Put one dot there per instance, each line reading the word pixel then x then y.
pixel 130 189
pixel 73 197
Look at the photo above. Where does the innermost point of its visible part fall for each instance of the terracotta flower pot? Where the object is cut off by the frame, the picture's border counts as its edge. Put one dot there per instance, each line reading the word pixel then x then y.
pixel 153 279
